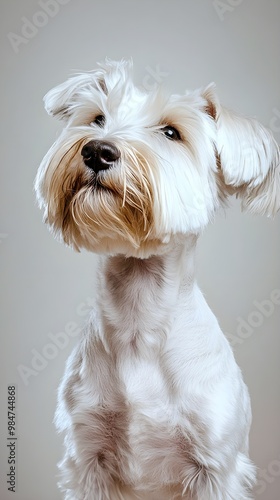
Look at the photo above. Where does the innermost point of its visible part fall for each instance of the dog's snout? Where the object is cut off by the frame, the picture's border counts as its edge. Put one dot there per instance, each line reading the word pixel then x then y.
pixel 100 155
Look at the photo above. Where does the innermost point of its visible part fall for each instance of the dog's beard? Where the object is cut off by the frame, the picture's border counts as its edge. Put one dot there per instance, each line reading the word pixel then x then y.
pixel 88 208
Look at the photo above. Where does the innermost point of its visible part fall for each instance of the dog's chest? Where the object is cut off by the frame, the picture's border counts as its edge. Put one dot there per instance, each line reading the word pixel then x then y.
pixel 154 426
pixel 144 384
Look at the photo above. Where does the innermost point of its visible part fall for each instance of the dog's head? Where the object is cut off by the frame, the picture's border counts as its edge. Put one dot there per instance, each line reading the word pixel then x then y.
pixel 133 170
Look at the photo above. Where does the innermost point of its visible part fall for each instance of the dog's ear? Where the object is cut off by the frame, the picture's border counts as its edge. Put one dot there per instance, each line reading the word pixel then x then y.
pixel 248 157
pixel 62 100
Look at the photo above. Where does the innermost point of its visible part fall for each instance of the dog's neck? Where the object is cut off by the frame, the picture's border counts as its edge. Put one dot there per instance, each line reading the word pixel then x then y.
pixel 138 297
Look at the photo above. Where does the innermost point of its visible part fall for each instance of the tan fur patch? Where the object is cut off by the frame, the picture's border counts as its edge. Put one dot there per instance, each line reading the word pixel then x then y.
pixel 86 210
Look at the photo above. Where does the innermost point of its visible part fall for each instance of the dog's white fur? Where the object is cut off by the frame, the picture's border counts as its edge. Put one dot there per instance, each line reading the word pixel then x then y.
pixel 152 403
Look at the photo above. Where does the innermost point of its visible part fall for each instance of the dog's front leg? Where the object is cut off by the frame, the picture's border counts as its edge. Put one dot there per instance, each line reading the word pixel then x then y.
pixel 85 476
pixel 94 420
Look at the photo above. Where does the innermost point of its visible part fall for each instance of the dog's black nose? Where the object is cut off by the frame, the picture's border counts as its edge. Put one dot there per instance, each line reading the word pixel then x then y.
pixel 100 155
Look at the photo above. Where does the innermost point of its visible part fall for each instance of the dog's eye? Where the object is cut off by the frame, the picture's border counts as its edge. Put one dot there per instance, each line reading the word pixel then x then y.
pixel 99 120
pixel 171 132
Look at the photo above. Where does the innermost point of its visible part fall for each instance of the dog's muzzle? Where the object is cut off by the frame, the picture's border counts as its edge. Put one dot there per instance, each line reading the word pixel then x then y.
pixel 100 155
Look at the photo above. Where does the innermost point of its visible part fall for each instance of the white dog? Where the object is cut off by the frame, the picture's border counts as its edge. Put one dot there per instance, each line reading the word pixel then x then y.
pixel 152 403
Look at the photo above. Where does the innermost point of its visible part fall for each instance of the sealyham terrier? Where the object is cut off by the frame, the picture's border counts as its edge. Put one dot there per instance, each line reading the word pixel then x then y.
pixel 152 404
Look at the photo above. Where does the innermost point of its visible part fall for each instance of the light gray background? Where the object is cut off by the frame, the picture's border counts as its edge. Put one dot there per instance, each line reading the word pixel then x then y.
pixel 44 285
